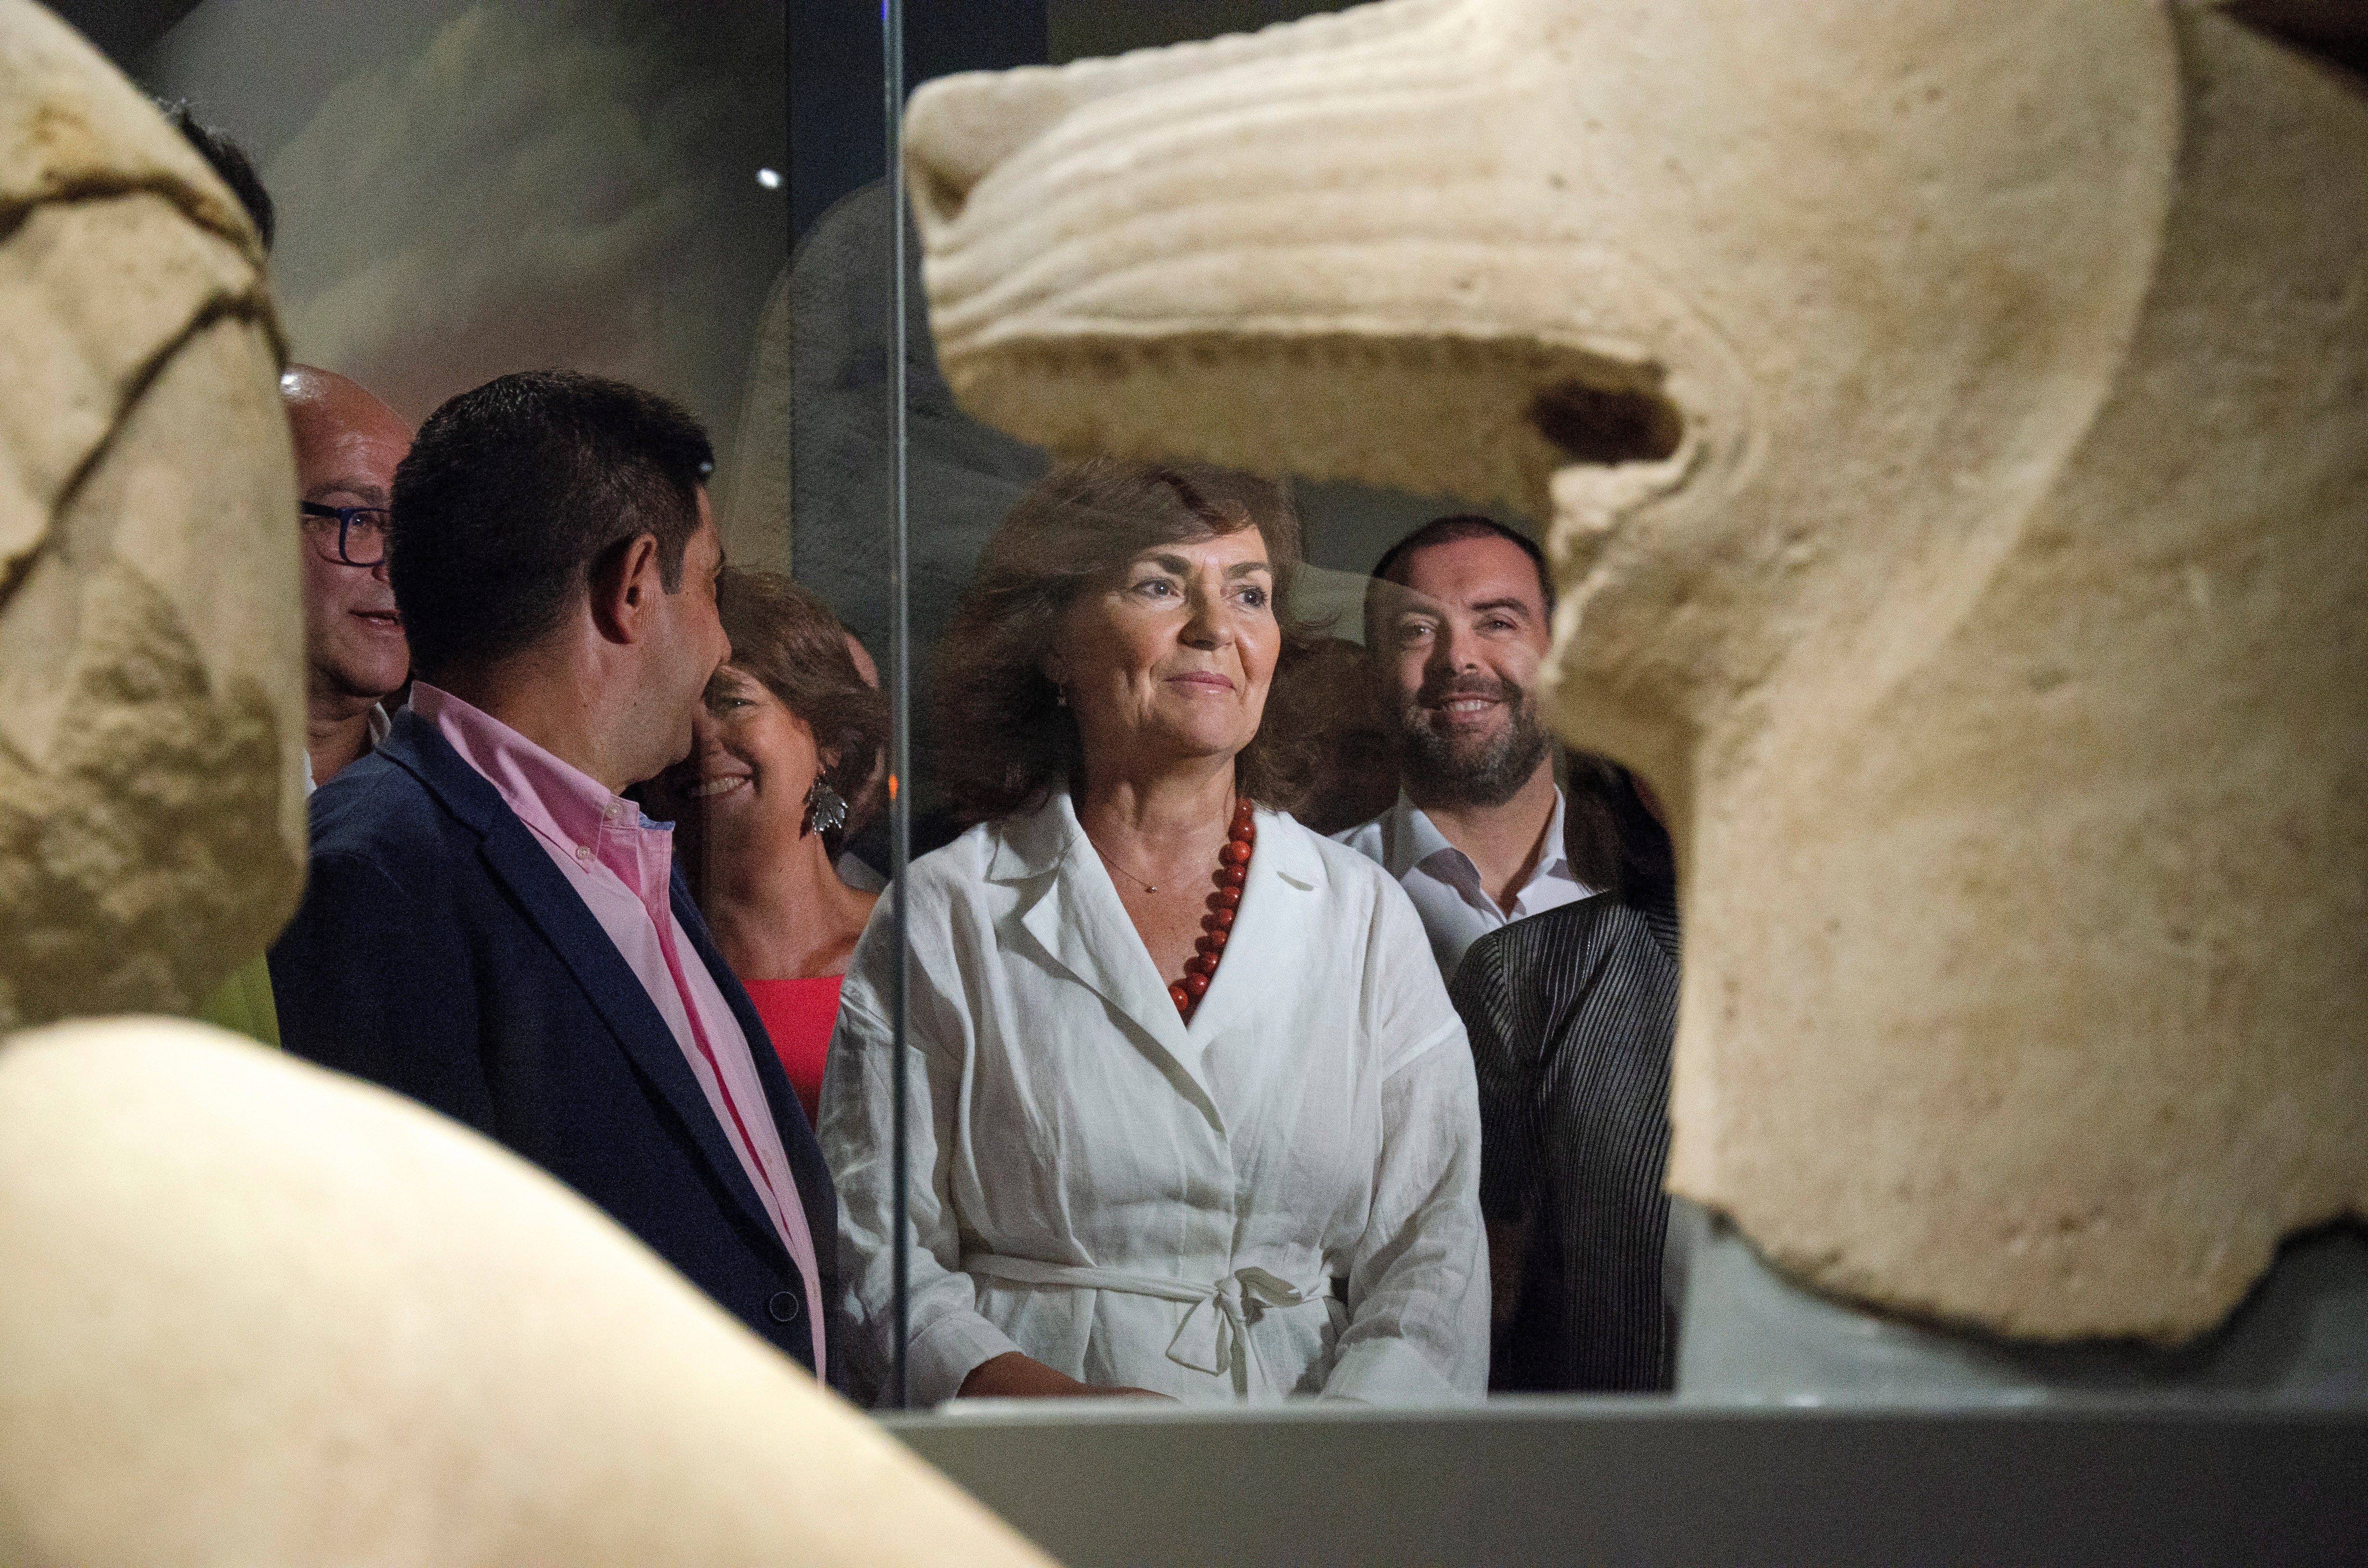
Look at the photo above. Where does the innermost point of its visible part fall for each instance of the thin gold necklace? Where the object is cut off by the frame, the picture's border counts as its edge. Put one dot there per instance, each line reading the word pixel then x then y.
pixel 1121 870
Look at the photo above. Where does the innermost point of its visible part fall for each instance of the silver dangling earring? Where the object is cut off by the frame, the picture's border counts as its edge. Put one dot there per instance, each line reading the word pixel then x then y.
pixel 825 808
pixel 1061 696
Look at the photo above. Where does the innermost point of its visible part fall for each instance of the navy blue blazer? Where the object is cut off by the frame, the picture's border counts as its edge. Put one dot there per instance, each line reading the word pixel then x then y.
pixel 438 952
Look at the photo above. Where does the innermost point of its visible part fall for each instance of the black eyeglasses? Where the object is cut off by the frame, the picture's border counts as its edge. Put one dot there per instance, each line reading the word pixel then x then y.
pixel 361 532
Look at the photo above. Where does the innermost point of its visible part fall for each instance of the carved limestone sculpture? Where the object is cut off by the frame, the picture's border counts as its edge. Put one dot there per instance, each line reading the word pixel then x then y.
pixel 258 1314
pixel 152 828
pixel 1955 423
pixel 253 1312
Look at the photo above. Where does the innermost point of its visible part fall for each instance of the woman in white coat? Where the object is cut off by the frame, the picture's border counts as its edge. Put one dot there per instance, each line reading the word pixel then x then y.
pixel 1191 1112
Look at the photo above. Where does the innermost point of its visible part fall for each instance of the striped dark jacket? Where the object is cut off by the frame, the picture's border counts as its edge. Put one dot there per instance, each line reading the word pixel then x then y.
pixel 1571 1015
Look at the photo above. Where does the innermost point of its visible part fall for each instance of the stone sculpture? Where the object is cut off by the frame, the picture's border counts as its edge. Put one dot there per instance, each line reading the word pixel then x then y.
pixel 1955 421
pixel 963 476
pixel 152 828
pixel 257 1314
pixel 752 496
pixel 252 1313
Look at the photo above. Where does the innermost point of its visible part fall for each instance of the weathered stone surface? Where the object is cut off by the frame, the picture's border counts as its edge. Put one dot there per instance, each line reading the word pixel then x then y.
pixel 1954 419
pixel 150 697
pixel 752 512
pixel 261 1314
pixel 252 1313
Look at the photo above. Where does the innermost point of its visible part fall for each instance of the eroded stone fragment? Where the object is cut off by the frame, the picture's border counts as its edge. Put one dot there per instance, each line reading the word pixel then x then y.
pixel 1954 420
pixel 151 693
pixel 253 1312
pixel 258 1314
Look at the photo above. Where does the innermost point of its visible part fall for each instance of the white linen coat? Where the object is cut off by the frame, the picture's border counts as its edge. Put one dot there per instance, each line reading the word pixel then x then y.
pixel 1280 1197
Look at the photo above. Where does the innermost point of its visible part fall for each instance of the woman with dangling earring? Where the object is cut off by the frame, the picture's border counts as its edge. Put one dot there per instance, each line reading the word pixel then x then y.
pixel 786 734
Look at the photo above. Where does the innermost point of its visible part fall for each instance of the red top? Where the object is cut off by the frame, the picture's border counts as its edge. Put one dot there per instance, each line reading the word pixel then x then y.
pixel 798 1015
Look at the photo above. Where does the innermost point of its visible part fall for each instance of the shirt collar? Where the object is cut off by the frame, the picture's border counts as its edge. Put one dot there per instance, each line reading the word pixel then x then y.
pixel 555 797
pixel 1557 858
pixel 1409 839
pixel 380 722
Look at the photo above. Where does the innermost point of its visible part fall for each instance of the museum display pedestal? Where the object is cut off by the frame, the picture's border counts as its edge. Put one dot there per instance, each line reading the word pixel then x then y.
pixel 1595 1480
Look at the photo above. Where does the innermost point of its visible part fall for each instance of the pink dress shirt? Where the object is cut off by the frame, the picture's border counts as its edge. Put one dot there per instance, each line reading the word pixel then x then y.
pixel 621 865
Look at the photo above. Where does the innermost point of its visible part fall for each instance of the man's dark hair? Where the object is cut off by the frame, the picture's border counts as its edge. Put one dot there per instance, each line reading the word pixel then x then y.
pixel 230 160
pixel 1448 530
pixel 515 493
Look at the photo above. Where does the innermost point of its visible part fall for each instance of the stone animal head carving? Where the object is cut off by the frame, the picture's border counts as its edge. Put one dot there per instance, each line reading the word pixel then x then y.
pixel 1953 419
pixel 152 829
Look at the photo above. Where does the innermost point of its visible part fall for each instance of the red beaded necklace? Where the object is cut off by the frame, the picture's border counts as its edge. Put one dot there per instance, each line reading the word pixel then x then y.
pixel 1217 926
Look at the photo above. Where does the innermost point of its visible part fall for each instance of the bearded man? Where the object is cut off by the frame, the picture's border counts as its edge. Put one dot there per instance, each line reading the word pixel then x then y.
pixel 1457 622
pixel 1570 1017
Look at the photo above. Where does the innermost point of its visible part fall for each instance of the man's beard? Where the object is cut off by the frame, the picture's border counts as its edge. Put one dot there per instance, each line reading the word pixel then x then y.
pixel 1439 771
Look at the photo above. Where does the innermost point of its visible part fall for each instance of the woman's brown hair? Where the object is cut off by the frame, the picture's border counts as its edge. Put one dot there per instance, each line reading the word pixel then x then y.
pixel 790 641
pixel 1003 740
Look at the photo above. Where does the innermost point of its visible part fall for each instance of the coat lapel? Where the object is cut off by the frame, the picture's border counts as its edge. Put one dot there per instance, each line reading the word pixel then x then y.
pixel 1068 905
pixel 1280 895
pixel 564 921
pixel 798 1141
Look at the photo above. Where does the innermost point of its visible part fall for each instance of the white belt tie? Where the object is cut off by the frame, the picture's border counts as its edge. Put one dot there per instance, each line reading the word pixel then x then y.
pixel 1215 1341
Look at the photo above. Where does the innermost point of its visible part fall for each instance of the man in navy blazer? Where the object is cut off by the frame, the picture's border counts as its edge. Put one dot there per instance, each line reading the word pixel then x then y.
pixel 489 926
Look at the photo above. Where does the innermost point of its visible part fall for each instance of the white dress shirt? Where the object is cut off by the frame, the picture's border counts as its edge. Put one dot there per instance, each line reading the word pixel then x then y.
pixel 1281 1197
pixel 1445 885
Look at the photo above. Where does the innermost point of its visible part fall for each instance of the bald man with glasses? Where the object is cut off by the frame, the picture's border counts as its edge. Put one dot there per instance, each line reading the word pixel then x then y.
pixel 348 444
